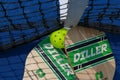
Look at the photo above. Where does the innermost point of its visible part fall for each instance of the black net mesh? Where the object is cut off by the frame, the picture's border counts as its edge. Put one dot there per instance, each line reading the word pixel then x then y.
pixel 103 15
pixel 22 21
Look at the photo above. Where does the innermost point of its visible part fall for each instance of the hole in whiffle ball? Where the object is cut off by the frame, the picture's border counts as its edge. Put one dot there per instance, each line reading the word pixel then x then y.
pixel 58 32
pixel 60 39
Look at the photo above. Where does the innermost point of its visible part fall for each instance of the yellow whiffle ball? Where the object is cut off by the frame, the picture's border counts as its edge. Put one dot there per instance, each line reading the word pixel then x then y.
pixel 57 38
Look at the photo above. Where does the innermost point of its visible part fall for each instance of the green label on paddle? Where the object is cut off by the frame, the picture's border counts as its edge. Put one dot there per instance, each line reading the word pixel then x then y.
pixel 56 60
pixel 40 73
pixel 99 75
pixel 90 52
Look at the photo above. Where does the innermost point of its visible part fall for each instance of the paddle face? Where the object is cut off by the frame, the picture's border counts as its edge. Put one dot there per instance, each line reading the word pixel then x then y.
pixel 45 62
pixel 90 54
pixel 36 68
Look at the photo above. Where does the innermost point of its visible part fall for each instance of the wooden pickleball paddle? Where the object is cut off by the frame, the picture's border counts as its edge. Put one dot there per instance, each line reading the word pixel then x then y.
pixel 90 54
pixel 45 62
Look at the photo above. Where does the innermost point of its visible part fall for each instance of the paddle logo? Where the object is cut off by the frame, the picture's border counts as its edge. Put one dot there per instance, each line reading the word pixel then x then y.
pixel 40 73
pixel 99 76
pixel 89 53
